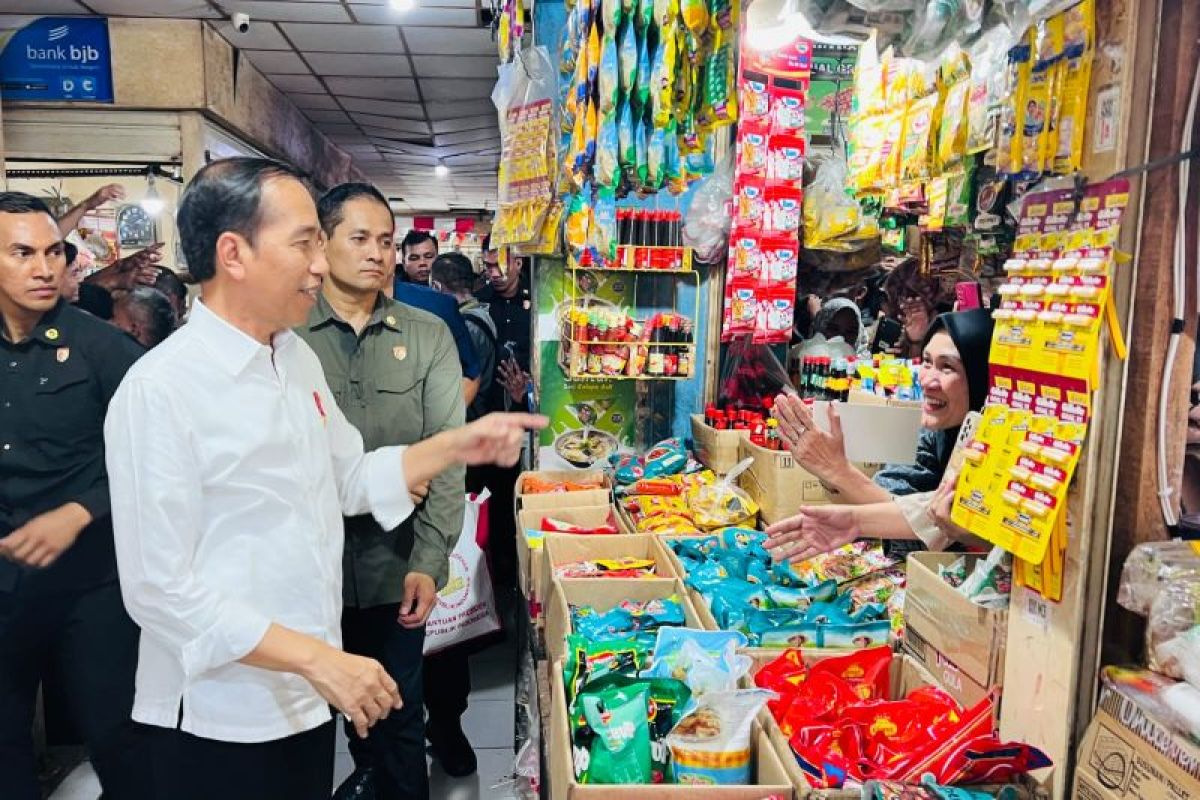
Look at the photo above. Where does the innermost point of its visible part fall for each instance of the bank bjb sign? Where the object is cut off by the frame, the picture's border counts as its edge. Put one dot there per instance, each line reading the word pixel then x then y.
pixel 57 58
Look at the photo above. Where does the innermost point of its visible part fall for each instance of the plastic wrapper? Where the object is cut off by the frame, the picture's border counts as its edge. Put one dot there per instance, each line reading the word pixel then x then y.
pixel 611 14
pixel 916 151
pixel 776 313
pixel 755 101
pixel 831 215
pixel 785 158
pixel 551 525
pixel 608 78
pixel 662 74
pixel 593 57
pixel 1174 703
pixel 608 568
pixel 656 167
pixel 536 484
pixel 640 97
pixel 620 747
pixel 626 148
pixel 627 61
pixel 707 661
pixel 1173 630
pixel 1150 567
pixel 750 205
pixel 603 233
pixel 787 110
pixel 1079 51
pixel 590 659
pixel 628 617
pixel 665 13
pixel 641 141
pixel 847 563
pixel 695 16
pixel 719 94
pixel 751 373
pixel 711 745
pixel 753 152
pixel 929 789
pixel 664 701
pixel 780 256
pixel 644 16
pixel 722 504
pixel 784 207
pixel 608 147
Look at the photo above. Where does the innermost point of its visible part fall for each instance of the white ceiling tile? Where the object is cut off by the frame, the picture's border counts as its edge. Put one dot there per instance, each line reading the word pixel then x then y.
pixel 344 38
pixel 287 12
pixel 385 107
pixel 341 130
pixel 328 115
pixel 379 65
pixel 313 101
pixel 473 159
pixel 467 137
pixel 43 7
pixel 421 15
pixel 296 83
pixel 392 123
pixel 189 9
pixel 376 88
pixel 456 88
pixel 410 158
pixel 465 123
pixel 277 62
pixel 382 138
pixel 461 108
pixel 444 41
pixel 262 36
pixel 456 66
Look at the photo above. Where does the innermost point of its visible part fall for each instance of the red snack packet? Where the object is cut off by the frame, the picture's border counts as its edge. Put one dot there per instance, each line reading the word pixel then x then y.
pixel 743 307
pixel 551 525
pixel 776 314
pixel 820 699
pixel 867 671
pixel 988 760
pixel 782 676
pixel 785 161
pixel 787 108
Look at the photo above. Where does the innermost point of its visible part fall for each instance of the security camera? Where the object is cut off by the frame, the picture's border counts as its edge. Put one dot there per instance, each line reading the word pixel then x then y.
pixel 241 23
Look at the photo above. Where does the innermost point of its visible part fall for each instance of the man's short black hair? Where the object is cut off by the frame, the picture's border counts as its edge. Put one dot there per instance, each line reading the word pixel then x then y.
pixel 169 284
pixel 453 271
pixel 154 311
pixel 225 196
pixel 329 207
pixel 71 252
pixel 415 237
pixel 22 203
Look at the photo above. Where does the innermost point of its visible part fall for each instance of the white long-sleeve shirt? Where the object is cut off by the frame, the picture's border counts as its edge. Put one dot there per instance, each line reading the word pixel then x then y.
pixel 230 467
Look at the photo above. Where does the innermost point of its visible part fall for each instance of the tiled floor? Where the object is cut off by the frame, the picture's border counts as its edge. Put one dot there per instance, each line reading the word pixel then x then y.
pixel 488 724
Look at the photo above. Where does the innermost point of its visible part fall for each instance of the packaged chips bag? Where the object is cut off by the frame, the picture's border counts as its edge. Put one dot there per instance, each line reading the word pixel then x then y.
pixel 711 745
pixel 664 702
pixel 619 751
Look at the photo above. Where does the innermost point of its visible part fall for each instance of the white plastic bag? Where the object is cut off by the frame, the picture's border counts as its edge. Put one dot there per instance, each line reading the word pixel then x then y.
pixel 466 607
pixel 706 230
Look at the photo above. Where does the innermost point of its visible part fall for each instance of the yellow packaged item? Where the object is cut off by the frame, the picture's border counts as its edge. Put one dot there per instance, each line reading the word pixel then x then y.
pixel 721 505
pixel 915 160
pixel 1011 122
pixel 1079 52
pixel 952 128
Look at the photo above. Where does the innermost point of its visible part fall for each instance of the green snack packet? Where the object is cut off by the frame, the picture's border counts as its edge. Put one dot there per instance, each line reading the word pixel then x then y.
pixel 627 59
pixel 626 148
pixel 958 204
pixel 610 15
pixel 641 94
pixel 644 16
pixel 620 747
pixel 608 78
pixel 588 660
pixel 668 698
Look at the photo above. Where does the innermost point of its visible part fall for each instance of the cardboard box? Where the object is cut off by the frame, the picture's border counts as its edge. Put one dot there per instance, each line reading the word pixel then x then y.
pixel 558 500
pixel 561 549
pixel 958 684
pixel 777 483
pixel 603 595
pixel 1127 754
pixel 531 570
pixel 959 641
pixel 860 398
pixel 717 450
pixel 770 776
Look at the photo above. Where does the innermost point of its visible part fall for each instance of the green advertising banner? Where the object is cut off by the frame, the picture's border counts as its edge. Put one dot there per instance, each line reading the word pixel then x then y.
pixel 831 88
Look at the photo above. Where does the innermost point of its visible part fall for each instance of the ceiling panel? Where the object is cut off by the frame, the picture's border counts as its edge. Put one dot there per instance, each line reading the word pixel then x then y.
pixel 381 65
pixel 385 107
pixel 287 11
pixel 313 101
pixel 296 83
pixel 464 123
pixel 43 7
pixel 457 109
pixel 375 88
pixel 265 36
pixel 466 137
pixel 456 66
pixel 421 15
pixel 447 42
pixel 340 129
pixel 456 89
pixel 344 38
pixel 188 9
pixel 328 115
pixel 277 62
pixel 392 123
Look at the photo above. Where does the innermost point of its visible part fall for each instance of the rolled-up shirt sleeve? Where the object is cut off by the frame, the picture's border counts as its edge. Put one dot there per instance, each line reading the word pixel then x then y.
pixel 368 483
pixel 157 522
pixel 915 508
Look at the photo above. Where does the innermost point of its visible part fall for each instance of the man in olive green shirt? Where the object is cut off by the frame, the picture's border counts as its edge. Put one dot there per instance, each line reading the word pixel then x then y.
pixel 395 373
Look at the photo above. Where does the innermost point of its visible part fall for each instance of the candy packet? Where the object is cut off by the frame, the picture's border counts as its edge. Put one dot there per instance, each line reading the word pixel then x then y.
pixel 745 255
pixel 711 745
pixel 787 108
pixel 784 208
pixel 751 201
pixel 785 157
pixel 752 149
pixel 625 567
pixel 755 101
pixel 776 312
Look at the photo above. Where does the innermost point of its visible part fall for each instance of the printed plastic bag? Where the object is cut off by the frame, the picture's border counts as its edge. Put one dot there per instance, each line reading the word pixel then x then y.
pixel 708 218
pixel 466 606
pixel 752 372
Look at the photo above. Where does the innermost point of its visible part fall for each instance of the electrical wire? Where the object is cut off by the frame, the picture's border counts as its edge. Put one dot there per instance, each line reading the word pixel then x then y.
pixel 1178 305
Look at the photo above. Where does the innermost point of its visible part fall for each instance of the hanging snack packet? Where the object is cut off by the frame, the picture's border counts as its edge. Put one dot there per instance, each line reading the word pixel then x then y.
pixel 641 96
pixel 644 16
pixel 608 150
pixel 579 221
pixel 780 259
pixel 626 147
pixel 588 660
pixel 662 78
pixel 665 13
pixel 719 92
pixel 620 750
pixel 784 207
pixel 952 131
pixel 787 107
pixel 746 257
pixel 752 149
pixel 656 159
pixel 915 162
pixel 743 306
pixel 711 745
pixel 777 310
pixel 756 103
pixel 627 60
pixel 608 78
pixel 1011 125
pixel 610 16
pixel 591 129
pixel 641 141
pixel 785 158
pixel 666 699
pixel 1079 51
pixel 593 56
pixel 676 179
pixel 695 16
pixel 751 201
pixel 604 226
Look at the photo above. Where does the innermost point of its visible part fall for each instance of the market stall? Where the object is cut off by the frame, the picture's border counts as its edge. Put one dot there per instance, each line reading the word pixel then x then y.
pixel 806 186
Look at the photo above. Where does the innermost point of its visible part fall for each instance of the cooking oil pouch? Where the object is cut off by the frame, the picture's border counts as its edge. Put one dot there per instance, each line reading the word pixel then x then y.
pixel 695 16
pixel 662 78
pixel 620 750
pixel 608 152
pixel 626 147
pixel 608 79
pixel 711 745
pixel 656 158
pixel 627 60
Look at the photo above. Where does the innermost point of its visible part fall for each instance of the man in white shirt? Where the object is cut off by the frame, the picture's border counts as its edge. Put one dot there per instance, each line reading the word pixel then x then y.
pixel 231 467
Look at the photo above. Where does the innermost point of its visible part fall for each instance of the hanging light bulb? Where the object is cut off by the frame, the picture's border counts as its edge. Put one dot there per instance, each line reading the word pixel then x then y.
pixel 151 203
pixel 403 5
pixel 441 170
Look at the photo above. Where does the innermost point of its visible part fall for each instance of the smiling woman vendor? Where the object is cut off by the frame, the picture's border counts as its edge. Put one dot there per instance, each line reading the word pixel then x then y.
pixel 954 380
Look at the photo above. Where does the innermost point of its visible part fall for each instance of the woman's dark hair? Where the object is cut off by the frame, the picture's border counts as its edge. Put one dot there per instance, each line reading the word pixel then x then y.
pixel 971 332
pixel 225 196
pixel 415 237
pixel 329 207
pixel 21 203
pixel 454 271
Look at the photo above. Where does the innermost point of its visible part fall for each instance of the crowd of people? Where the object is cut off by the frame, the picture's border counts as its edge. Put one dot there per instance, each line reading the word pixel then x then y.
pixel 244 508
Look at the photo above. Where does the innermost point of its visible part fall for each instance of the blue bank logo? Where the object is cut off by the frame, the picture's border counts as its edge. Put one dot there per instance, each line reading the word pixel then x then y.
pixel 59 59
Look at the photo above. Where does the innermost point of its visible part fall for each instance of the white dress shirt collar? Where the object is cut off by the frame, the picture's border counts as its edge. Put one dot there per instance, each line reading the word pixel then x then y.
pixel 232 346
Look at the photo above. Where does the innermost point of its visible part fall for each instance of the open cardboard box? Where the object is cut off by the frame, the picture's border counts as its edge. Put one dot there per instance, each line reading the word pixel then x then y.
pixel 777 483
pixel 715 449
pixel 960 642
pixel 906 674
pixel 770 777
pixel 558 500
pixel 604 595
pixel 561 549
pixel 531 570
pixel 1128 754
